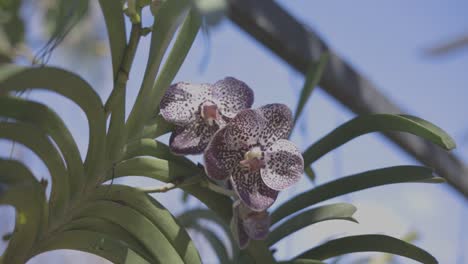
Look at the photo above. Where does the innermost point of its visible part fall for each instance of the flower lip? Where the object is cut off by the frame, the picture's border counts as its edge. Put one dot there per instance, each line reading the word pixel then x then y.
pixel 209 112
pixel 253 159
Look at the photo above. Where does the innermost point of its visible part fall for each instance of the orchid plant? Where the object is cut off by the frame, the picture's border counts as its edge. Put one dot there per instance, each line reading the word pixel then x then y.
pixel 248 159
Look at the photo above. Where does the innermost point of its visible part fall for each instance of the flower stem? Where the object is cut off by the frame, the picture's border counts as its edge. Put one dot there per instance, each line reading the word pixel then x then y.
pixel 178 183
pixel 218 189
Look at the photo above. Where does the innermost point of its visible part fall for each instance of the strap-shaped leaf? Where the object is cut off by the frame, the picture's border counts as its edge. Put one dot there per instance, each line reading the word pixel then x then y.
pixel 159 216
pixel 339 211
pixel 138 225
pixel 92 242
pixel 191 219
pixel 214 240
pixel 115 24
pixel 23 191
pixel 313 76
pixel 356 182
pixel 185 38
pixel 156 127
pixel 366 243
pixel 47 120
pixel 153 148
pixel 110 229
pixel 164 27
pixel 302 261
pixel 14 78
pixel 377 122
pixel 40 144
pixel 159 169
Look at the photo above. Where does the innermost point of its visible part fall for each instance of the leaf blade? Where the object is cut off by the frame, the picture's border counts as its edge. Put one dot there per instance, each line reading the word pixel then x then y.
pixel 352 183
pixel 365 243
pixel 338 211
pixel 14 78
pixel 377 122
pixel 313 77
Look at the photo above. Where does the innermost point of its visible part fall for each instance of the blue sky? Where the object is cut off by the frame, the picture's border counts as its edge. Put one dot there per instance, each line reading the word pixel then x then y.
pixel 384 41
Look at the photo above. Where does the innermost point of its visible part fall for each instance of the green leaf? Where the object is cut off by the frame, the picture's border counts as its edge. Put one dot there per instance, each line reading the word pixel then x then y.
pixel 156 127
pixel 14 78
pixel 50 123
pixel 41 145
pixel 377 122
pixel 222 205
pixel 302 261
pixel 31 210
pixel 115 24
pixel 182 45
pixel 164 28
pixel 112 230
pixel 349 184
pixel 338 211
pixel 159 169
pixel 313 76
pixel 153 148
pixel 192 217
pixel 215 241
pixel 366 243
pixel 92 242
pixel 310 174
pixel 159 216
pixel 138 225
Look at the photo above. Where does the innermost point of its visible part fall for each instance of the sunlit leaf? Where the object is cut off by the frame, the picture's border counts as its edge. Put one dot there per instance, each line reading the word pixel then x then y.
pixel 50 123
pixel 377 122
pixel 352 183
pixel 366 243
pixel 339 211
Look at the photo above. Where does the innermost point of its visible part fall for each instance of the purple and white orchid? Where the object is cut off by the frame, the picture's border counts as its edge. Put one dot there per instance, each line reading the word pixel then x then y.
pixel 247 224
pixel 252 151
pixel 199 110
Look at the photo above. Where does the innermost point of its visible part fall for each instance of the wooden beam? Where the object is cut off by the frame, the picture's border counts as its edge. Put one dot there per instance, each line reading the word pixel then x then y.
pixel 300 47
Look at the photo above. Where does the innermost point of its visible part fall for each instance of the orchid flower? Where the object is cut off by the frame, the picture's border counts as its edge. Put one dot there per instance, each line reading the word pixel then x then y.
pixel 199 110
pixel 253 153
pixel 247 224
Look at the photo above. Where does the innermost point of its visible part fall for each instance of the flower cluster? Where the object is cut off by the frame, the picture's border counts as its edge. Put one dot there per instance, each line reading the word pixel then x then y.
pixel 247 147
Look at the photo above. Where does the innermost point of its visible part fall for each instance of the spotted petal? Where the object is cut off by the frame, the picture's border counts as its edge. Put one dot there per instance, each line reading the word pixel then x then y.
pixel 232 96
pixel 220 157
pixel 182 100
pixel 244 130
pixel 279 123
pixel 284 165
pixel 191 139
pixel 251 190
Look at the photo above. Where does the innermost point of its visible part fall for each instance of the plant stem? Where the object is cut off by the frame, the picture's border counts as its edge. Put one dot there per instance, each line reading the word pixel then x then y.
pixel 116 102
